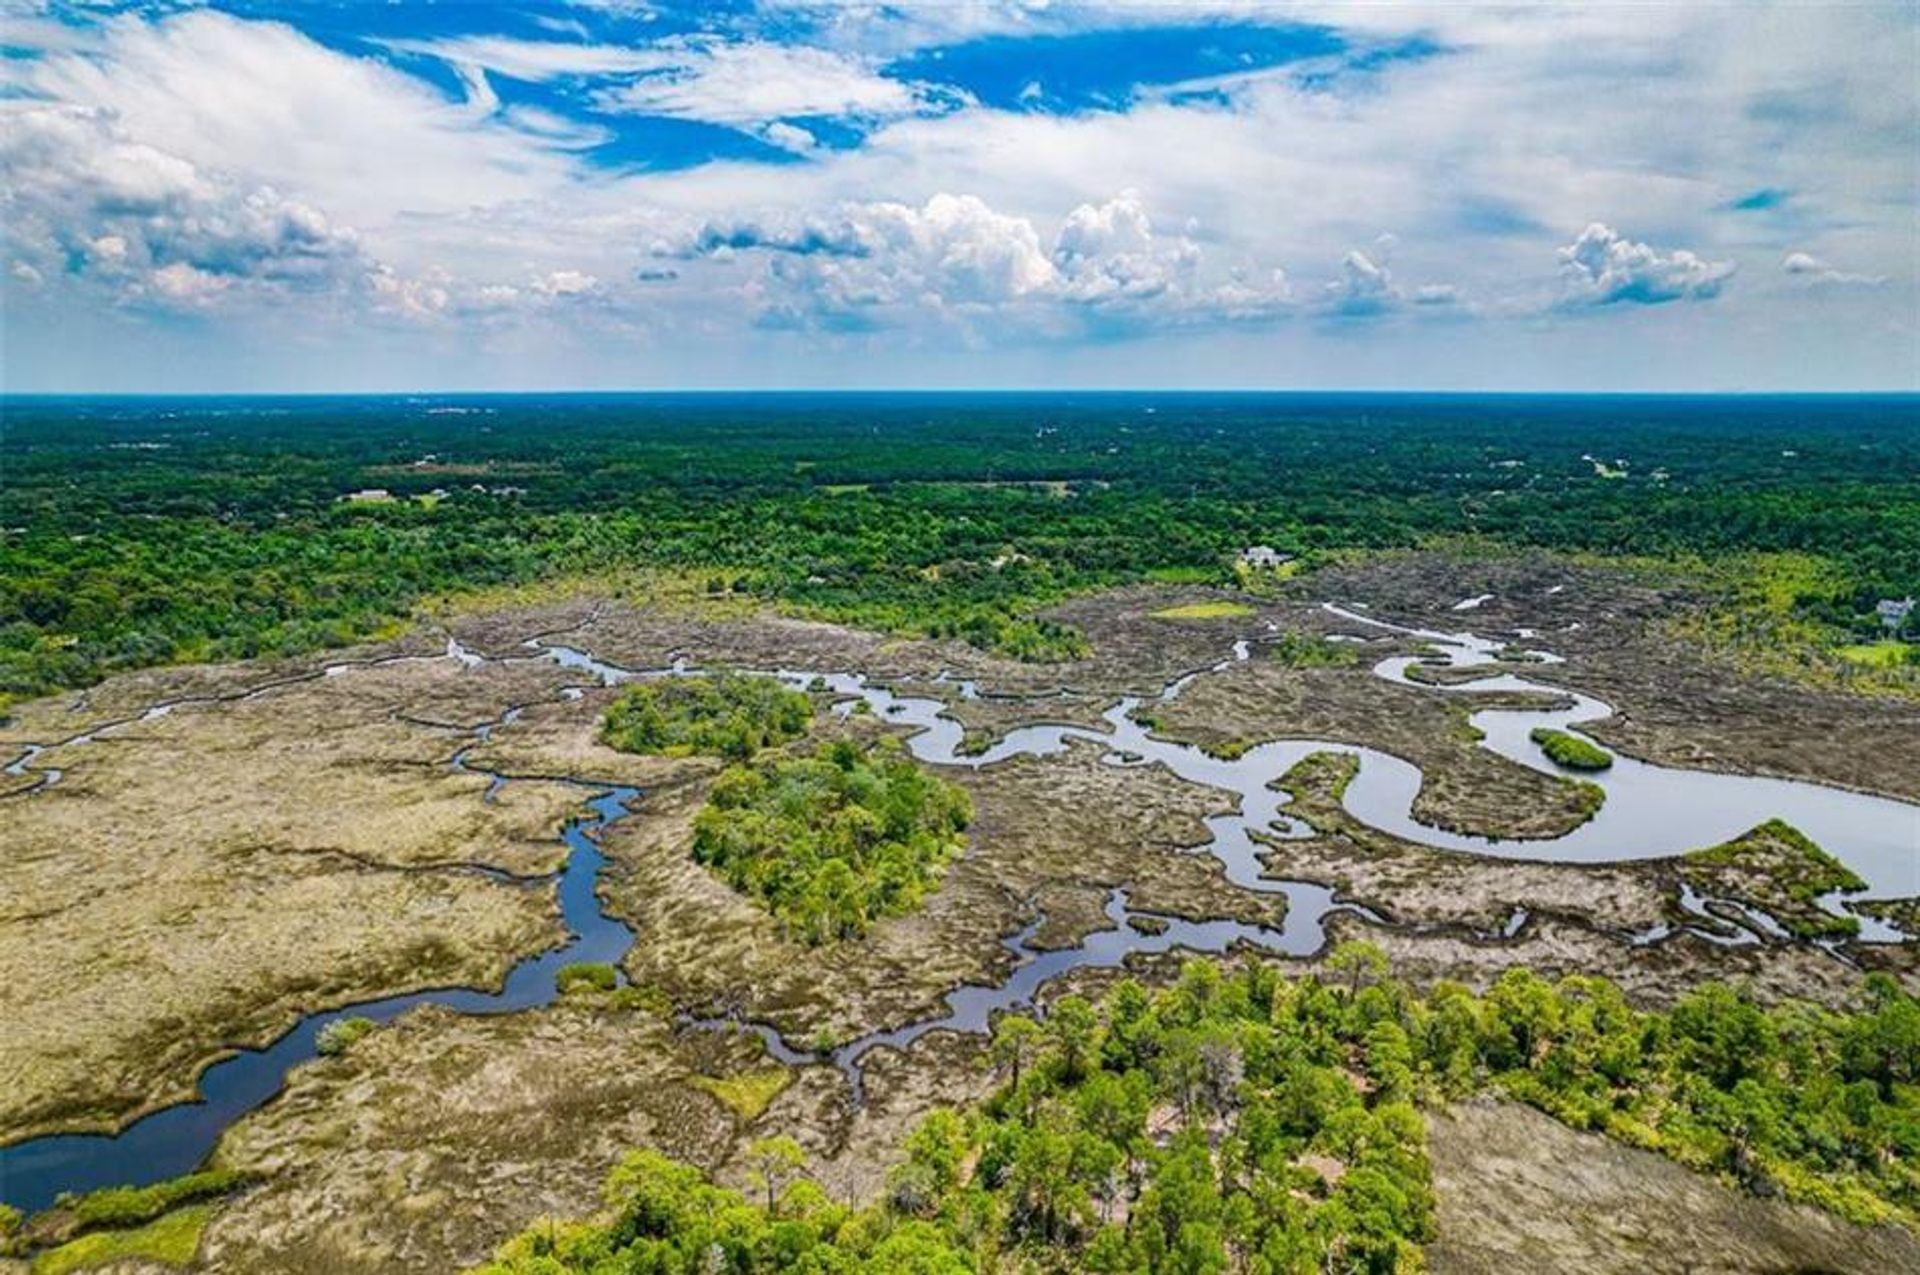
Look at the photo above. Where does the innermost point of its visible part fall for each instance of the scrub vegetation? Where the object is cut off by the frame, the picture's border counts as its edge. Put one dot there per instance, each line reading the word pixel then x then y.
pixel 1780 869
pixel 726 715
pixel 159 1223
pixel 140 534
pixel 173 1240
pixel 1306 650
pixel 1251 1122
pixel 1570 750
pixel 339 1036
pixel 832 842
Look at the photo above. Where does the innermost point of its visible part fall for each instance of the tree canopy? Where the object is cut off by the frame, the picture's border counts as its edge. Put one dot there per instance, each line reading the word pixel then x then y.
pixel 832 842
pixel 725 714
pixel 1251 1122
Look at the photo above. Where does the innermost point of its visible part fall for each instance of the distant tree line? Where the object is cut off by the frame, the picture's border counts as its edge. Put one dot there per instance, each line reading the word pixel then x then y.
pixel 141 533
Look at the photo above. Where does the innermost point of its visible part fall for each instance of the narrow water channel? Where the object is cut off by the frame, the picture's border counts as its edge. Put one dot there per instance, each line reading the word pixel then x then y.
pixel 1650 811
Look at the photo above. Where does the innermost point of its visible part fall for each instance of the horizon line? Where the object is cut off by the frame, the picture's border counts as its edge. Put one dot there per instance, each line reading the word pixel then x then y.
pixel 7 395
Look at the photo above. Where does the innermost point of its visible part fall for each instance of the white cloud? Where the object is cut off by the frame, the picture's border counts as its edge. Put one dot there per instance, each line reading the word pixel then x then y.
pixel 752 83
pixel 957 257
pixel 1108 252
pixel 789 137
pixel 566 283
pixel 206 92
pixel 188 284
pixel 1810 269
pixel 532 60
pixel 1602 267
pixel 411 298
pixel 145 224
pixel 1365 287
pixel 246 151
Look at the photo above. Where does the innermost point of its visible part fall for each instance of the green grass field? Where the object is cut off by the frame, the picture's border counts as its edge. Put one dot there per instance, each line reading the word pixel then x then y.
pixel 1204 611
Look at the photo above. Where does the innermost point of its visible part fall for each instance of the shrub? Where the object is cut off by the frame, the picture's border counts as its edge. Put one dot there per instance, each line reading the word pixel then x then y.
pixel 595 976
pixel 339 1035
pixel 1305 650
pixel 124 1206
pixel 1571 751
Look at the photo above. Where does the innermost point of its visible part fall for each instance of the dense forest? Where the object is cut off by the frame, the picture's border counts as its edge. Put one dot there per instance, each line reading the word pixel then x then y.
pixel 1250 1122
pixel 726 714
pixel 137 532
pixel 832 842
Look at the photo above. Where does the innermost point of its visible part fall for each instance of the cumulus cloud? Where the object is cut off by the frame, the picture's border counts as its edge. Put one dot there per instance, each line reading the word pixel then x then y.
pixel 411 298
pixel 86 201
pixel 956 255
pixel 1108 253
pixel 188 284
pixel 754 83
pixel 1365 287
pixel 1807 268
pixel 953 252
pixel 566 283
pixel 1603 267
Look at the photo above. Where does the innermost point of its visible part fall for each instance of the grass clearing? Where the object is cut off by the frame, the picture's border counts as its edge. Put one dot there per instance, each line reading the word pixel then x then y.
pixel 1182 575
pixel 173 1240
pixel 1204 611
pixel 1888 654
pixel 748 1094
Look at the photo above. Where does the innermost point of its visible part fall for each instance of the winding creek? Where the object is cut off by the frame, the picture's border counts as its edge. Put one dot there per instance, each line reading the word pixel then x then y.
pixel 1650 812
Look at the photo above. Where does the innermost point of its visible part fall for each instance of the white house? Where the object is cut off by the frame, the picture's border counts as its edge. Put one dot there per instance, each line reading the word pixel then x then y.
pixel 1263 556
pixel 1894 614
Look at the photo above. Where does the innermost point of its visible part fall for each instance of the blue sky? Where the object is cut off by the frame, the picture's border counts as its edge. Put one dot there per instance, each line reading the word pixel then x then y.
pixel 615 193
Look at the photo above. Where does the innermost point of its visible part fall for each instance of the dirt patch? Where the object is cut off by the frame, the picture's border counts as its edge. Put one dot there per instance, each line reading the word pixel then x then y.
pixel 1517 1190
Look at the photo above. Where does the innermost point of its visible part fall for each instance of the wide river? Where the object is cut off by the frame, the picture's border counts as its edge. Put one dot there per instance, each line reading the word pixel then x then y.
pixel 1649 812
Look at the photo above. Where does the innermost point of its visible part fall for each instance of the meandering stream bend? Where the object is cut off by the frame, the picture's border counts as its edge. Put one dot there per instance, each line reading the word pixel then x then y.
pixel 1650 811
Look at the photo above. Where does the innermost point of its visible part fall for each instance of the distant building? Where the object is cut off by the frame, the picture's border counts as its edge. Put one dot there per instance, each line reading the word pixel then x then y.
pixel 1263 556
pixel 368 496
pixel 1894 614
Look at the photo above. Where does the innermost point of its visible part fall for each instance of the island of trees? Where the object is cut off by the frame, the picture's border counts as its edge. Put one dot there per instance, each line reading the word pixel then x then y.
pixel 832 842
pixel 723 714
pixel 1571 750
